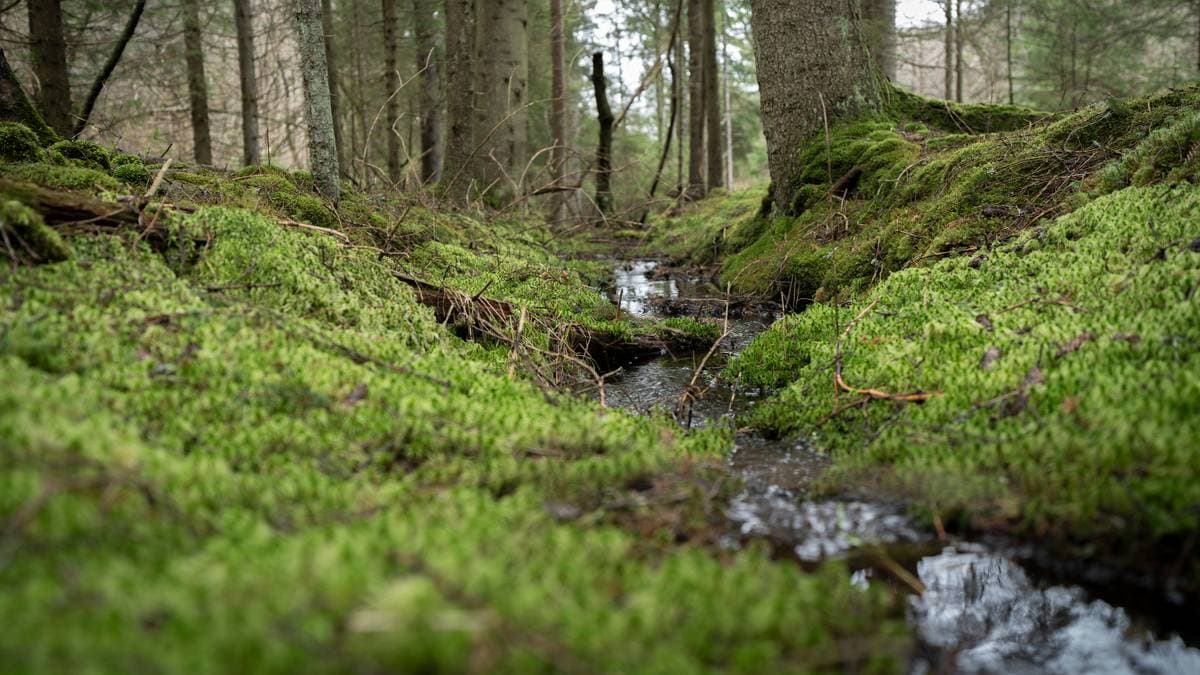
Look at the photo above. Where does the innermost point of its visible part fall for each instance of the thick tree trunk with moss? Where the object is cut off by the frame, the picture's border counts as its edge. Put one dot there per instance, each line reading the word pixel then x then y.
pixel 879 31
pixel 16 106
pixel 248 79
pixel 501 86
pixel 712 100
pixel 812 67
pixel 460 95
pixel 335 95
pixel 696 102
pixel 193 49
pixel 318 115
pixel 48 47
pixel 429 64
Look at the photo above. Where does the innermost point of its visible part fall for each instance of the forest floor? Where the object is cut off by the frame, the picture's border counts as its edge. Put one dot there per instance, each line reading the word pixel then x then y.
pixel 241 431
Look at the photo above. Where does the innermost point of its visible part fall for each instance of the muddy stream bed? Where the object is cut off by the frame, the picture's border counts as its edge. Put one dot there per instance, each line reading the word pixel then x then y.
pixel 982 610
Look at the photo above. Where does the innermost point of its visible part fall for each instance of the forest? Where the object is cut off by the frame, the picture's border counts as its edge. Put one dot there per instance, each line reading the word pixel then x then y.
pixel 582 336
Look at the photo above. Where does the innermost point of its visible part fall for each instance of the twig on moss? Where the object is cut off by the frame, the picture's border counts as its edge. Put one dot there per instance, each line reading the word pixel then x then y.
pixel 914 397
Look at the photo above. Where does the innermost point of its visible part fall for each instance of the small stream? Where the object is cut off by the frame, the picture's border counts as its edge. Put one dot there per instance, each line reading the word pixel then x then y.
pixel 981 612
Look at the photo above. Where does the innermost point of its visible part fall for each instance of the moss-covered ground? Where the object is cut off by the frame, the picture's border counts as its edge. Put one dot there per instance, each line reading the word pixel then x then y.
pixel 1033 294
pixel 250 449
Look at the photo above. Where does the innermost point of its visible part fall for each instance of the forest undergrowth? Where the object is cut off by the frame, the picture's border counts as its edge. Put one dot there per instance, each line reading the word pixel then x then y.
pixel 234 440
pixel 1002 328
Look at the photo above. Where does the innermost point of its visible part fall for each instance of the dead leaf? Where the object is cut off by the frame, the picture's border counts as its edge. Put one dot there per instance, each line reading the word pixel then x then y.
pixel 989 358
pixel 1131 338
pixel 1034 376
pixel 983 320
pixel 355 395
pixel 1069 405
pixel 1074 345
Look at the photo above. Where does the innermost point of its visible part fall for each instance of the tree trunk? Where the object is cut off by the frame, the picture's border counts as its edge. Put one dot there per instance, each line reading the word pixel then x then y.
pixel 460 92
pixel 604 116
pixel 959 39
pixel 335 94
pixel 712 100
pixel 879 17
pixel 48 47
pixel 193 48
pixel 696 103
pixel 109 66
pixel 16 106
pixel 249 81
pixel 1008 43
pixel 680 86
pixel 948 57
pixel 391 85
pixel 727 118
pixel 318 115
pixel 558 107
pixel 429 64
pixel 502 73
pixel 810 67
pixel 673 113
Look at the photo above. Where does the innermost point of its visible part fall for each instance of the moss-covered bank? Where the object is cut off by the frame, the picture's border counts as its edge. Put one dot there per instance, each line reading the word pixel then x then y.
pixel 253 450
pixel 1034 292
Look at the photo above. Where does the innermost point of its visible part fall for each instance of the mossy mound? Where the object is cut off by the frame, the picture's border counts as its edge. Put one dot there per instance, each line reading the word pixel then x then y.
pixel 884 194
pixel 87 153
pixel 68 177
pixel 18 143
pixel 970 118
pixel 1063 365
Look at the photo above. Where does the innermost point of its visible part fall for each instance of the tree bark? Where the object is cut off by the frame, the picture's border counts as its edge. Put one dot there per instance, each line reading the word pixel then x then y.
pixel 109 66
pixel 812 66
pixel 48 47
pixel 679 87
pixel 429 65
pixel 712 100
pixel 16 106
pixel 193 50
pixel 460 91
pixel 501 84
pixel 249 81
pixel 335 94
pixel 1008 43
pixel 391 85
pixel 604 117
pixel 558 107
pixel 318 115
pixel 959 39
pixel 696 103
pixel 948 56
pixel 727 118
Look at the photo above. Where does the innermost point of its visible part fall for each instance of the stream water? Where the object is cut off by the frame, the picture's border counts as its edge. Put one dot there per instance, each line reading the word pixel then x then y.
pixel 981 611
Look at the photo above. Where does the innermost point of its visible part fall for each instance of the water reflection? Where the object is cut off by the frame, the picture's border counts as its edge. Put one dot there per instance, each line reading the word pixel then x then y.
pixel 982 614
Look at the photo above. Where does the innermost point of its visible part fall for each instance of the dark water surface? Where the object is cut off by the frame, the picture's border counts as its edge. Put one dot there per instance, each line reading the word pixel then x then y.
pixel 981 611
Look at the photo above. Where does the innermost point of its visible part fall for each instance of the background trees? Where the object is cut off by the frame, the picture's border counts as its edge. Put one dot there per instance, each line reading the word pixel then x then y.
pixel 506 101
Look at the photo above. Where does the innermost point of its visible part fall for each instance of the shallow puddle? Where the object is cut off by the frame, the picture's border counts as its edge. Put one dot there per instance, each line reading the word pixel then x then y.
pixel 980 612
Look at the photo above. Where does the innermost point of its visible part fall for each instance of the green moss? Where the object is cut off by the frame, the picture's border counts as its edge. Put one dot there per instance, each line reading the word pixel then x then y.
pixel 970 118
pixel 1169 154
pixel 24 232
pixel 88 154
pixel 18 143
pixel 304 207
pixel 62 177
pixel 134 174
pixel 1058 434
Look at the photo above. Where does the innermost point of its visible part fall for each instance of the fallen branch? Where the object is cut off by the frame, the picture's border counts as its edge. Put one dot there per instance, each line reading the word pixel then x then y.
pixel 915 397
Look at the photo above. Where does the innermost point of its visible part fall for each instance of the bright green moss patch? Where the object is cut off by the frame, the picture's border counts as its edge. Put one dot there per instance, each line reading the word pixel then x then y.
pixel 18 143
pixel 62 177
pixel 1065 365
pixel 258 452
pixel 972 118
